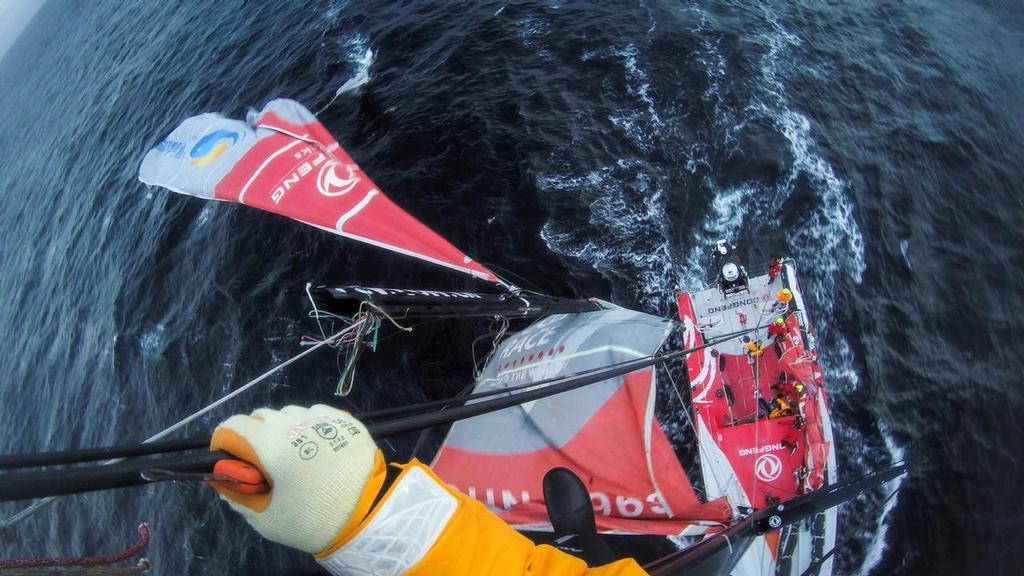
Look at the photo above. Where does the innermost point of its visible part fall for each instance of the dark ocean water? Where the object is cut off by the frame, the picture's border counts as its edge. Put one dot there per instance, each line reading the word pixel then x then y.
pixel 590 149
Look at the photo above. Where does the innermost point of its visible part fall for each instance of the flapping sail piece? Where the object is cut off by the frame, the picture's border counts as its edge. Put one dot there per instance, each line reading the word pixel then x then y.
pixel 606 433
pixel 283 160
pixel 795 359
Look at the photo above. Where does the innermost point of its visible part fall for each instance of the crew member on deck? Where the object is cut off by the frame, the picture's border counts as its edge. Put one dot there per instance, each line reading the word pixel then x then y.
pixel 754 349
pixel 780 408
pixel 774 267
pixel 732 277
pixel 333 496
pixel 785 295
pixel 777 329
pixel 784 386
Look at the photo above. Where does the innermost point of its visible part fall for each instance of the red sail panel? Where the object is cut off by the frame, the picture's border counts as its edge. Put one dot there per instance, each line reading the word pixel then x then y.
pixel 818 448
pixel 606 432
pixel 609 455
pixel 283 160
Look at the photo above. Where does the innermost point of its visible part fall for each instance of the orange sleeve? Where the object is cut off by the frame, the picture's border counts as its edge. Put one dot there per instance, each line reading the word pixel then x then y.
pixel 548 560
pixel 475 541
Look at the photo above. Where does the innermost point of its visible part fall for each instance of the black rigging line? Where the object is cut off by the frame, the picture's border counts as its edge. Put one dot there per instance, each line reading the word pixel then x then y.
pixel 133 450
pixel 723 550
pixel 34 484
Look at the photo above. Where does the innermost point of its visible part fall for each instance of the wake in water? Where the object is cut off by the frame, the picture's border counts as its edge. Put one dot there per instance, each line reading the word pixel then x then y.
pixel 630 235
pixel 362 58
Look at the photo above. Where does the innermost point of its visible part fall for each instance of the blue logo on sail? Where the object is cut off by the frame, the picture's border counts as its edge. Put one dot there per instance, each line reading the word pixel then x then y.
pixel 211 146
pixel 171 148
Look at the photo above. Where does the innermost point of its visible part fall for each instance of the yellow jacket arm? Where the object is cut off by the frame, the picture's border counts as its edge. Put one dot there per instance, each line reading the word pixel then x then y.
pixel 422 527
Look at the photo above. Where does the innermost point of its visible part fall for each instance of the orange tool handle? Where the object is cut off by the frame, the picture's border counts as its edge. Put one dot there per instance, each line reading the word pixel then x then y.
pixel 244 477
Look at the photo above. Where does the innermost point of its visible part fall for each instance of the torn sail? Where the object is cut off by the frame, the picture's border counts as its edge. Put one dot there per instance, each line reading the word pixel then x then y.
pixel 284 161
pixel 606 433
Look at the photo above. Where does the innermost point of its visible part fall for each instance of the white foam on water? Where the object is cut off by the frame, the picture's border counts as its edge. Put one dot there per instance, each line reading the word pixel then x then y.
pixel 728 215
pixel 905 251
pixel 831 228
pixel 207 212
pixel 828 236
pixel 642 126
pixel 624 234
pixel 837 361
pixel 362 75
pixel 878 546
pixel 361 56
pixel 152 340
pixel 335 10
pixel 712 61
pixel 534 32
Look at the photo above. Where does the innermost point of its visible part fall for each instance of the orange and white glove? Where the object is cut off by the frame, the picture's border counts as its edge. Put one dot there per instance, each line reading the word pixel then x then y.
pixel 317 461
pixel 330 497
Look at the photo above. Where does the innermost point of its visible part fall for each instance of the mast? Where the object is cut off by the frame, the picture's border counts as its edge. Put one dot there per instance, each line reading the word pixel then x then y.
pixel 407 303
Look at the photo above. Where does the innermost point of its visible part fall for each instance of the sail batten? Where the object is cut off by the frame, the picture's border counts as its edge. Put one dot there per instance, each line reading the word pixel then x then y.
pixel 283 160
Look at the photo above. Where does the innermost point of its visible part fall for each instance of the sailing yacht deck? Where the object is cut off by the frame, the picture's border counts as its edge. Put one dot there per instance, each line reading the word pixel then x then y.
pixel 733 392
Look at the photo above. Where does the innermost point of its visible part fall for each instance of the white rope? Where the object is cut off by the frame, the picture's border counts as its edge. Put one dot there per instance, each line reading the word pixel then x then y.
pixel 185 421
pixel 40 504
pixel 316 312
pixel 478 367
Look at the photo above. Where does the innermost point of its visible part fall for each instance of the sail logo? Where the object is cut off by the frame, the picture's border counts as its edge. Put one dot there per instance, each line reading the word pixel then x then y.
pixel 731 305
pixel 761 450
pixel 211 146
pixel 298 174
pixel 768 467
pixel 171 148
pixel 329 183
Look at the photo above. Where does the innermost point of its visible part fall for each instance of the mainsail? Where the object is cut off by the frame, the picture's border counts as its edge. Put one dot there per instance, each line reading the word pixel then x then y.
pixel 283 160
pixel 606 433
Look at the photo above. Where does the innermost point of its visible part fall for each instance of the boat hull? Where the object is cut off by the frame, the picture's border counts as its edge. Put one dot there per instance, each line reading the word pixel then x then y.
pixel 748 454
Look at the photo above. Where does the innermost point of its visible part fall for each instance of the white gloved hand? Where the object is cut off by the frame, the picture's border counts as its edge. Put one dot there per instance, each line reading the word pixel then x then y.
pixel 317 461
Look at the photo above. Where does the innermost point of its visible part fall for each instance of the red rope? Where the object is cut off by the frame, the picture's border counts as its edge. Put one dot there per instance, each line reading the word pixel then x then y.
pixel 84 560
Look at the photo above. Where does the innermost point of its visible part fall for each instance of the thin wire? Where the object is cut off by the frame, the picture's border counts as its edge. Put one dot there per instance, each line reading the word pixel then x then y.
pixel 498 335
pixel 347 379
pixel 706 461
pixel 40 504
pixel 370 323
pixel 316 312
pixel 385 314
pixel 492 267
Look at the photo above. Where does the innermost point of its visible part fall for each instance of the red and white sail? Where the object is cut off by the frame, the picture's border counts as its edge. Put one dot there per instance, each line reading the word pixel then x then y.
pixel 606 433
pixel 284 161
